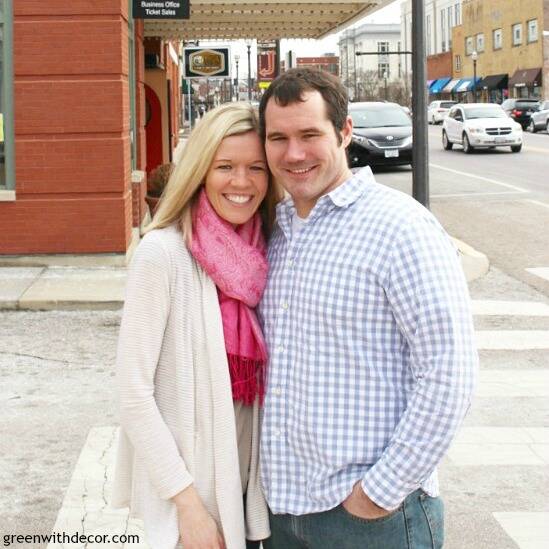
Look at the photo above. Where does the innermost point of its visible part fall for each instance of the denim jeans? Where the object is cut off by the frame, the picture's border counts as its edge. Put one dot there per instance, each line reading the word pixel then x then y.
pixel 417 524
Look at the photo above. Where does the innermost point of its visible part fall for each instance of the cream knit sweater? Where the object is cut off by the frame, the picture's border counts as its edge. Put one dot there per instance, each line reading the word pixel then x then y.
pixel 176 409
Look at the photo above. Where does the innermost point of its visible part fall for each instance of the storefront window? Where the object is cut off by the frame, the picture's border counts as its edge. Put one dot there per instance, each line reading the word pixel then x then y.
pixel 6 100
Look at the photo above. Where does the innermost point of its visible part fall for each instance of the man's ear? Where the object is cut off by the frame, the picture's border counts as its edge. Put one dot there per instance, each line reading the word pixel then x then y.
pixel 347 132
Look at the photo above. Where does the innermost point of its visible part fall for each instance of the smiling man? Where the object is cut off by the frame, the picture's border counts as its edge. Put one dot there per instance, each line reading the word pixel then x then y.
pixel 366 315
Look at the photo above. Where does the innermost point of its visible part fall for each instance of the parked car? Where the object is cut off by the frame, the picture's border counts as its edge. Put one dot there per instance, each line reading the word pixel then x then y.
pixel 520 110
pixel 539 120
pixel 437 111
pixel 480 125
pixel 382 135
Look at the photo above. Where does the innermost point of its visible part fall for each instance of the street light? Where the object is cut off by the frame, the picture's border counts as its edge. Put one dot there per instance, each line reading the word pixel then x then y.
pixel 474 57
pixel 385 79
pixel 249 46
pixel 236 59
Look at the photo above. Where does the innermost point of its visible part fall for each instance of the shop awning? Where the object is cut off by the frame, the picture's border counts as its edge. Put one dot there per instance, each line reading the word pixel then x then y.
pixel 438 85
pixel 430 82
pixel 451 85
pixel 494 82
pixel 262 19
pixel 528 77
pixel 466 84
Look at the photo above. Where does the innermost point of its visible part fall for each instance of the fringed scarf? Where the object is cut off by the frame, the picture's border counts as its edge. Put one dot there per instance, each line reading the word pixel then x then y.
pixel 235 259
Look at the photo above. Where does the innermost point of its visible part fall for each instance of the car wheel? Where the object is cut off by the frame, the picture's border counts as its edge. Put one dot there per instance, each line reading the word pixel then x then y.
pixel 467 148
pixel 531 127
pixel 516 148
pixel 446 143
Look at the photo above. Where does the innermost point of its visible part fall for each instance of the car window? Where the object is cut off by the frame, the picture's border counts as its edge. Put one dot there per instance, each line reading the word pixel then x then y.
pixel 525 104
pixel 446 104
pixel 458 115
pixel 508 104
pixel 379 118
pixel 484 112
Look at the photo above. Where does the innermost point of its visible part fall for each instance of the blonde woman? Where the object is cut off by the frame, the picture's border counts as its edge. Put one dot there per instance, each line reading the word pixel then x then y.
pixel 191 355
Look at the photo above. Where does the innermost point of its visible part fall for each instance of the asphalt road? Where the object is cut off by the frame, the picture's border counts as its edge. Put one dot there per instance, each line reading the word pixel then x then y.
pixel 495 200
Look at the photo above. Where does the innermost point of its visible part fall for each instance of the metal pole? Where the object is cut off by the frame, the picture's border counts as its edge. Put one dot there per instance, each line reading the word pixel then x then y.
pixel 237 83
pixel 420 149
pixel 475 79
pixel 190 106
pixel 354 68
pixel 249 72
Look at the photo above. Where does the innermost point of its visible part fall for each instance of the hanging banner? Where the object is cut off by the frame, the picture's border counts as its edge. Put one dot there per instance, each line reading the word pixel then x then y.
pixel 267 66
pixel 204 62
pixel 161 9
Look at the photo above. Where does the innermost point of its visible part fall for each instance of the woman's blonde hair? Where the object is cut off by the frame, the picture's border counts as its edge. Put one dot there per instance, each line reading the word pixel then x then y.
pixel 182 189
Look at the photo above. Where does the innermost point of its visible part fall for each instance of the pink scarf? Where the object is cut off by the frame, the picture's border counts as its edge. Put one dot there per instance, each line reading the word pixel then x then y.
pixel 235 259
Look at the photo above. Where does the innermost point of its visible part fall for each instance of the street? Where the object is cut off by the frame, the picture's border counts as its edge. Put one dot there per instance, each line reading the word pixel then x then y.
pixel 60 406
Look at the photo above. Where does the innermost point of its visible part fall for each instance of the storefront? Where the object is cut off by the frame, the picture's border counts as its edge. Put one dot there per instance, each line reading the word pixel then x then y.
pixel 526 83
pixel 494 88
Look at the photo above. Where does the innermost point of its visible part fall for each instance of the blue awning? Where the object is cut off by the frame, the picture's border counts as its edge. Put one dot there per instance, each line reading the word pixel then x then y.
pixel 466 85
pixel 437 85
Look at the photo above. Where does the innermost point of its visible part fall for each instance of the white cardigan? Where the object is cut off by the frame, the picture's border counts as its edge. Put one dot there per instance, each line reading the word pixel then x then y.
pixel 176 408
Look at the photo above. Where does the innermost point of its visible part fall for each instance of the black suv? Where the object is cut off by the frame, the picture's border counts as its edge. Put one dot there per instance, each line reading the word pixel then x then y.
pixel 520 109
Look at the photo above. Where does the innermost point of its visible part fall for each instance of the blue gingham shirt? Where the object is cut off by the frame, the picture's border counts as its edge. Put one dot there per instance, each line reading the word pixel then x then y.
pixel 372 357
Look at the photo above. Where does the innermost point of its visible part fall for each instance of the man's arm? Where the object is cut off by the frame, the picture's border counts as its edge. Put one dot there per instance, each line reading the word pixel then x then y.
pixel 429 298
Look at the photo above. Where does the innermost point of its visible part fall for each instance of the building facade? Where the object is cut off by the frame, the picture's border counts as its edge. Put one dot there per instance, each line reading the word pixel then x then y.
pixel 502 42
pixel 96 107
pixel 375 67
pixel 327 62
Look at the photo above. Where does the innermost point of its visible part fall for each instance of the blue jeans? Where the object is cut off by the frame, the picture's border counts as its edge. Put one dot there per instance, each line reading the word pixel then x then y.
pixel 417 524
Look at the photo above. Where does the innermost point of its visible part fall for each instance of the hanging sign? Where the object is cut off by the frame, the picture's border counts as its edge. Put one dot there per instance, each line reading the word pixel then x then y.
pixel 204 62
pixel 266 61
pixel 161 9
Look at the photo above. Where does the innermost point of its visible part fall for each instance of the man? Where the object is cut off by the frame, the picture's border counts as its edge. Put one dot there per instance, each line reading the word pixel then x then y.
pixel 370 336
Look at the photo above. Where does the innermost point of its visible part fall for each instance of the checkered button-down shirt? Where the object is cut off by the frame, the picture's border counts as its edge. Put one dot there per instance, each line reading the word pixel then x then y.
pixel 372 360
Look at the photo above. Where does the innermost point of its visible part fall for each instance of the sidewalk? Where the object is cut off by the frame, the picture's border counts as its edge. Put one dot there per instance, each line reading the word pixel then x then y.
pixel 46 288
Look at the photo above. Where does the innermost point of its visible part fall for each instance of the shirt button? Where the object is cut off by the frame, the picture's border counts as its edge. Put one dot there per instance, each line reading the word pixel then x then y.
pixel 277 432
pixel 285 305
pixel 290 262
pixel 280 348
pixel 277 391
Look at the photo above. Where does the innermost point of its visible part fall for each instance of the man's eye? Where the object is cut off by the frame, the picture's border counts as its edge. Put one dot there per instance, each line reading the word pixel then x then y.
pixel 277 138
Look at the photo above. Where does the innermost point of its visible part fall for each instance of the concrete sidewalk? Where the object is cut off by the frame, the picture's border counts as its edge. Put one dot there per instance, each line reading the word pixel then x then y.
pixel 61 287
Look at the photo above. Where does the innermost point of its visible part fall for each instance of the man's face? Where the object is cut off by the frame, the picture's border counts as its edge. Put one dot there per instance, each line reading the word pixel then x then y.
pixel 303 151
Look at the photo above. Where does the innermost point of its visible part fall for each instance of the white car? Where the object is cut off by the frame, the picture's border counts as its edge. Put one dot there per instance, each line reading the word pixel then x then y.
pixel 539 120
pixel 437 111
pixel 480 125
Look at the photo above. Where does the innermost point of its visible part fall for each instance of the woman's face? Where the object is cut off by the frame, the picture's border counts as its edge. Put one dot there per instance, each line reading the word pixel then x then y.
pixel 237 180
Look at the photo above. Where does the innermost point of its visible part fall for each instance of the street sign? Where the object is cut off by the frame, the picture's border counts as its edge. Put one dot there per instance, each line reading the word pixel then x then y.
pixel 205 62
pixel 161 9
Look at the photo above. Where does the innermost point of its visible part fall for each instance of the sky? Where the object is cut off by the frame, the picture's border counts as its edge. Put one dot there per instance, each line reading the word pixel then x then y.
pixel 308 48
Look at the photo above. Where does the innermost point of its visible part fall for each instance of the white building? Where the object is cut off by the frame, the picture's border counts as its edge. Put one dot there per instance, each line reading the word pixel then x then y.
pixel 441 16
pixel 376 40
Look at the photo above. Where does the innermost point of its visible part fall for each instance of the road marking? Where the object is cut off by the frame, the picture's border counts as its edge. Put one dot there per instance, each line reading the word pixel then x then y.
pixel 513 384
pixel 480 178
pixel 473 194
pixel 542 272
pixel 86 506
pixel 512 340
pixel 535 149
pixel 537 203
pixel 528 530
pixel 520 308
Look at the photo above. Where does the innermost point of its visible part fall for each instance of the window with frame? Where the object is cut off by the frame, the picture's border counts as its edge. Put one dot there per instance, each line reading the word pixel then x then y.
pixel 480 41
pixel 517 34
pixel 497 39
pixel 383 70
pixel 443 30
pixel 457 63
pixel 457 14
pixel 450 25
pixel 532 30
pixel 469 45
pixel 428 34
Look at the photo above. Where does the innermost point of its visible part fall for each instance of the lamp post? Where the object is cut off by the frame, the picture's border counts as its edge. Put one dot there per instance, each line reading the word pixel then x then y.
pixel 385 80
pixel 236 59
pixel 474 57
pixel 249 47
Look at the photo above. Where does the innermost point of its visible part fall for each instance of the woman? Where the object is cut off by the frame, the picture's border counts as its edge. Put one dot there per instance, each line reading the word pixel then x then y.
pixel 191 356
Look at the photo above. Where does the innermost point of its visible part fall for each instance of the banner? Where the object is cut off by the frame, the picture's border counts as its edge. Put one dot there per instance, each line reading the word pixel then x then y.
pixel 267 63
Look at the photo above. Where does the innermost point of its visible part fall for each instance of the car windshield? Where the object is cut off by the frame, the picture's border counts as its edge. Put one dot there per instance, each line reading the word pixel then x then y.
pixel 484 112
pixel 447 104
pixel 380 118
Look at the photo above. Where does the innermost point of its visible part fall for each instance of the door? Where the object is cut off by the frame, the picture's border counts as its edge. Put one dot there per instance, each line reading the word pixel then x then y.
pixel 153 129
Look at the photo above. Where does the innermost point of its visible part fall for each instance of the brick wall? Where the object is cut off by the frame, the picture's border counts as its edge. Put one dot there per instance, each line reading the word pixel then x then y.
pixel 439 66
pixel 72 151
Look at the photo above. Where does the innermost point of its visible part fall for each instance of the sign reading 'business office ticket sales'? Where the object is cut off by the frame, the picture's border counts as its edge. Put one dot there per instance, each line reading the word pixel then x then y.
pixel 161 9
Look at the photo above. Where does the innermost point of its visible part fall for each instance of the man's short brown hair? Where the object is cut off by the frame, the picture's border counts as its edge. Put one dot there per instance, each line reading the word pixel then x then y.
pixel 290 86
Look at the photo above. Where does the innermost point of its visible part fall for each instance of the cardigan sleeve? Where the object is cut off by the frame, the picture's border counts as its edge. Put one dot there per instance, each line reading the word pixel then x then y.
pixel 146 311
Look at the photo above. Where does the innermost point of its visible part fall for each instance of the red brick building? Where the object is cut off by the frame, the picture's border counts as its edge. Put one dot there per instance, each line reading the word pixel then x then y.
pixel 328 63
pixel 75 180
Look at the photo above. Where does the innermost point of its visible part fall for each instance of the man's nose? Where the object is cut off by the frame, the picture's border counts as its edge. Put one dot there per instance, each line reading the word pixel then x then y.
pixel 295 152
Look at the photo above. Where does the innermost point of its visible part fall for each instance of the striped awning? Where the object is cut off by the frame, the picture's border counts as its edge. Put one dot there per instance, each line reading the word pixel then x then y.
pixel 450 87
pixel 438 85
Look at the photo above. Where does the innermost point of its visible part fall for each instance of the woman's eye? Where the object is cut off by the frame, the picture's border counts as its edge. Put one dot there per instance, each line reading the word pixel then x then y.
pixel 224 167
pixel 258 168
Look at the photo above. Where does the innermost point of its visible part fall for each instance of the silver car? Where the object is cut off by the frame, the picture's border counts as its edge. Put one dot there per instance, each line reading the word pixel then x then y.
pixel 539 120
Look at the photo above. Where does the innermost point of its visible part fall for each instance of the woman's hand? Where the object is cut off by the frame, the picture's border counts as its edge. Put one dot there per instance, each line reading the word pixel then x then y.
pixel 197 529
